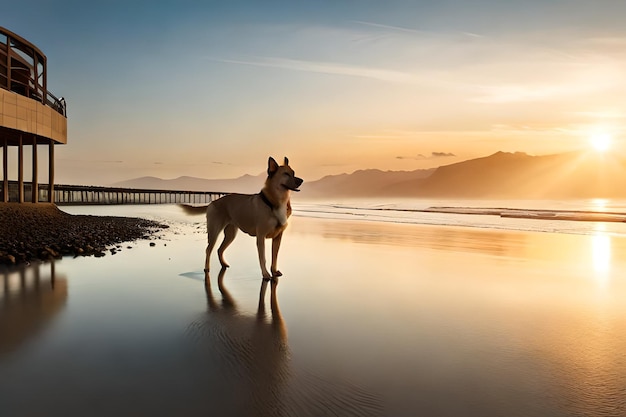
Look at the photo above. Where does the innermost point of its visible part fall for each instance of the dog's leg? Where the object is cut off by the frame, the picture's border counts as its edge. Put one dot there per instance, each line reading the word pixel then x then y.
pixel 229 235
pixel 260 245
pixel 212 239
pixel 213 231
pixel 275 247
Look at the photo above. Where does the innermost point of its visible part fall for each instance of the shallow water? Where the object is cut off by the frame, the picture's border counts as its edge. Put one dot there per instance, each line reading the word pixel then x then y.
pixel 370 318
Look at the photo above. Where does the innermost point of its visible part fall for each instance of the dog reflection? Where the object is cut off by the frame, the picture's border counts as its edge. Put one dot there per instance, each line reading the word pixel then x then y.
pixel 251 350
pixel 246 359
pixel 228 307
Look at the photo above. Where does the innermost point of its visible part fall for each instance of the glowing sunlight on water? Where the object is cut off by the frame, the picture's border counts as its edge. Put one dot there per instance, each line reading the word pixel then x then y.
pixel 599 204
pixel 601 254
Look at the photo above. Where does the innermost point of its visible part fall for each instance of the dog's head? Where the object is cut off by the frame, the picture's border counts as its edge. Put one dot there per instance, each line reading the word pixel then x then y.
pixel 283 175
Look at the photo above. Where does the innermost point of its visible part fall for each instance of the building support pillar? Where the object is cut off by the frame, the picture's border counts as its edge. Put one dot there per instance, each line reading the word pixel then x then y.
pixel 20 170
pixel 51 171
pixel 5 171
pixel 35 184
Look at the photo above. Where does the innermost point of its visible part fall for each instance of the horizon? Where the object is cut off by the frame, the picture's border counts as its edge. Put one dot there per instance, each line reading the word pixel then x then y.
pixel 262 174
pixel 210 90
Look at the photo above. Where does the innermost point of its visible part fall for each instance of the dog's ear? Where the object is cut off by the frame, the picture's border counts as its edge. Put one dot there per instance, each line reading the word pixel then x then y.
pixel 286 161
pixel 272 166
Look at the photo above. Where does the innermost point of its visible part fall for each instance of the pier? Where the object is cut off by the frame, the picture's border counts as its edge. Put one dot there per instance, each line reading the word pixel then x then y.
pixel 88 194
pixel 84 194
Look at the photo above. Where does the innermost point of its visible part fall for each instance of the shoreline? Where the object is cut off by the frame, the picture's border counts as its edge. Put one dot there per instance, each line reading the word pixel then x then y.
pixel 42 231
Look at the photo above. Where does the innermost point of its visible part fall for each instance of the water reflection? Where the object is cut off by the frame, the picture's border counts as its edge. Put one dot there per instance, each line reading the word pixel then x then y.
pixel 249 351
pixel 30 296
pixel 492 242
pixel 250 355
pixel 583 357
pixel 601 252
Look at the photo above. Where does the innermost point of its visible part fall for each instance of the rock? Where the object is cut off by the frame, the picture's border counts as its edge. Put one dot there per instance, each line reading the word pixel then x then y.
pixel 7 259
pixel 51 251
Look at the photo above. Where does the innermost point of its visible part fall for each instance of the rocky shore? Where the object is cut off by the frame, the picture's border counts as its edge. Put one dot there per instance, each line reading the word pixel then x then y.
pixel 42 231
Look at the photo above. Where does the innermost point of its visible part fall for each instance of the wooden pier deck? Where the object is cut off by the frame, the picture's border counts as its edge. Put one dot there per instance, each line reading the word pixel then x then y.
pixel 88 194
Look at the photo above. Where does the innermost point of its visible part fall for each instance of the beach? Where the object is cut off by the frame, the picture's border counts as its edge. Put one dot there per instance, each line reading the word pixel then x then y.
pixel 370 318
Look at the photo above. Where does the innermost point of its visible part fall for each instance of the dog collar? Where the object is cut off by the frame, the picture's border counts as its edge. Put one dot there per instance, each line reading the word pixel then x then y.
pixel 266 200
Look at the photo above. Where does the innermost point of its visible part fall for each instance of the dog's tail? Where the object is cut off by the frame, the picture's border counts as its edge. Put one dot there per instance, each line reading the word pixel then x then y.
pixel 194 210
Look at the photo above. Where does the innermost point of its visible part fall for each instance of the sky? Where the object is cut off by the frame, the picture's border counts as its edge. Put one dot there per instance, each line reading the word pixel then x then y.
pixel 210 89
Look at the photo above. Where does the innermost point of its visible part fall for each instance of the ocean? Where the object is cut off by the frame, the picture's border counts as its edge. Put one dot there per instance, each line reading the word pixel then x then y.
pixel 589 217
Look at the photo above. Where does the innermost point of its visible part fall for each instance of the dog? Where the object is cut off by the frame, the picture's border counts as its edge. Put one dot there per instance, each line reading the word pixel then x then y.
pixel 263 215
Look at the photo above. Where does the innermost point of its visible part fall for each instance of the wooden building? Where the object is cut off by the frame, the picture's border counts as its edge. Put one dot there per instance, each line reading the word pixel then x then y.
pixel 29 115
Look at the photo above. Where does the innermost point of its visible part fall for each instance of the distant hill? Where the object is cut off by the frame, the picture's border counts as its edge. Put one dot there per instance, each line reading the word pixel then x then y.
pixel 244 184
pixel 518 175
pixel 362 183
pixel 501 175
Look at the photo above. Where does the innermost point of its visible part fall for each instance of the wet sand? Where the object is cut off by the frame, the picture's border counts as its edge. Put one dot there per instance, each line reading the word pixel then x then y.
pixel 369 319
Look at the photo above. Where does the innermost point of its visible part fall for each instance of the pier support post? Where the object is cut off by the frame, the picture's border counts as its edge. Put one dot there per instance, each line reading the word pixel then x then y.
pixel 20 170
pixel 51 172
pixel 35 184
pixel 5 171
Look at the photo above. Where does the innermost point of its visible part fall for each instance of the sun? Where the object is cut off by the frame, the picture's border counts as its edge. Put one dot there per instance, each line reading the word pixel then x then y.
pixel 600 142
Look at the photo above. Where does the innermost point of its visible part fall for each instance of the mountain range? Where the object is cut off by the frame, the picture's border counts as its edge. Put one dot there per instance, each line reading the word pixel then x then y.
pixel 501 175
pixel 244 184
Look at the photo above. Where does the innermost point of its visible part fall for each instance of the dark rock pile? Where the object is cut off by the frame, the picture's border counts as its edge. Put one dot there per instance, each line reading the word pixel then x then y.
pixel 41 231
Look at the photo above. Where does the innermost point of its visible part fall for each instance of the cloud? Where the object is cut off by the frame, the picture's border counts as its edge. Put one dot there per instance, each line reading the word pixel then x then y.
pixel 498 94
pixel 402 29
pixel 441 154
pixel 606 114
pixel 419 157
pixel 472 35
pixel 92 161
pixel 379 74
pixel 187 164
pixel 389 27
pixel 549 77
pixel 433 155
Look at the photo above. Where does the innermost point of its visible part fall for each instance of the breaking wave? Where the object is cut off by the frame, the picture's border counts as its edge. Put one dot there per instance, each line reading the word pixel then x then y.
pixel 558 217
